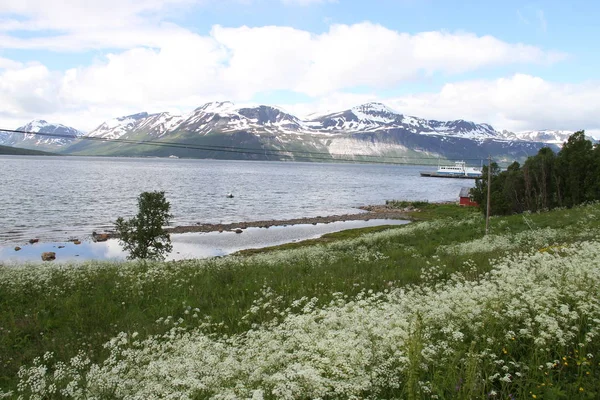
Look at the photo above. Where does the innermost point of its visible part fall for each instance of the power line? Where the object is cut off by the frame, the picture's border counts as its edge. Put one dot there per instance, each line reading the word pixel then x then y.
pixel 312 155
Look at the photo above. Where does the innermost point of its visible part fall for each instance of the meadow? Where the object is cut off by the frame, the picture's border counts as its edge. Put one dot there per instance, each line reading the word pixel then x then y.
pixel 429 310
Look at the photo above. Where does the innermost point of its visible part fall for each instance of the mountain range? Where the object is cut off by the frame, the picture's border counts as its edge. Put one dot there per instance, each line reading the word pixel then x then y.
pixel 368 132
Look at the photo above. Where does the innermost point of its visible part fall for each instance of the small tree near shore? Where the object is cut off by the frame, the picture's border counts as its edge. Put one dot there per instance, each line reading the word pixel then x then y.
pixel 144 235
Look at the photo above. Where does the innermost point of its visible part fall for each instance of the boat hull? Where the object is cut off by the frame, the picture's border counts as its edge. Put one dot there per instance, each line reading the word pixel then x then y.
pixel 456 176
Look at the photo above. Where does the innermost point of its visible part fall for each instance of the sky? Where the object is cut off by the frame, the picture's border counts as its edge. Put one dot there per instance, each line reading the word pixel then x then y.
pixel 516 65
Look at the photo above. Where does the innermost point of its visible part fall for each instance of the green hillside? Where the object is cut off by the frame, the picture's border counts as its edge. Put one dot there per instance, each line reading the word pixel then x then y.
pixel 7 150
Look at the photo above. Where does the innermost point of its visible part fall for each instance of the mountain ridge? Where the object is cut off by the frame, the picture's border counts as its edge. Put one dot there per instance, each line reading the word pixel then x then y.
pixel 370 128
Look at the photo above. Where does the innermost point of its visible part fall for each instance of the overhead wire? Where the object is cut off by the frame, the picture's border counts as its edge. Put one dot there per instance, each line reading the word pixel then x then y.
pixel 310 155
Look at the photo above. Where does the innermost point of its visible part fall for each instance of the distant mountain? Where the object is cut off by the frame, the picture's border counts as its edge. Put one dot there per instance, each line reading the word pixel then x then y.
pixel 546 136
pixel 370 131
pixel 56 137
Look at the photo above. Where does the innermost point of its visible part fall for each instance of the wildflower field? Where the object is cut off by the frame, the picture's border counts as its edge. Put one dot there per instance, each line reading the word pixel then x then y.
pixel 429 310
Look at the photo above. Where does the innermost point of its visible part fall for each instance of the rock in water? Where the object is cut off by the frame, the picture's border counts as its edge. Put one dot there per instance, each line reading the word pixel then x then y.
pixel 17 248
pixel 48 256
pixel 99 237
pixel 32 241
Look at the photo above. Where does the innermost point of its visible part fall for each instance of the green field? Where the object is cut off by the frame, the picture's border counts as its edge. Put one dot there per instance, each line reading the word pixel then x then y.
pixel 432 309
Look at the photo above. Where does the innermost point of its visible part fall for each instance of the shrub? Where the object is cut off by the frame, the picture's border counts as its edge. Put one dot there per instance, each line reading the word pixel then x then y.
pixel 144 235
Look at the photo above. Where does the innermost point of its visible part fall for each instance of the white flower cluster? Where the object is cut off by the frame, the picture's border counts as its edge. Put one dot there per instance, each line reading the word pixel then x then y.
pixel 361 347
pixel 538 238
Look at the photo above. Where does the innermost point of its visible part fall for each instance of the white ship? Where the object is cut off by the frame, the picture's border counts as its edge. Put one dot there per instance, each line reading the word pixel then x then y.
pixel 458 170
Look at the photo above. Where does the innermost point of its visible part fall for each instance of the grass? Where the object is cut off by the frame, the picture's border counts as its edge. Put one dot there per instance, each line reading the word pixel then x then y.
pixel 324 239
pixel 67 309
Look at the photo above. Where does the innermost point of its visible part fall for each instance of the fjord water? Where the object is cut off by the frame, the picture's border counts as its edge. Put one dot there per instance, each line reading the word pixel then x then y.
pixel 56 198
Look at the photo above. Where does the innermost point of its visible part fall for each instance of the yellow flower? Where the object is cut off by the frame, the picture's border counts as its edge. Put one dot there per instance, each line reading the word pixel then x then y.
pixel 534 396
pixel 581 389
pixel 504 350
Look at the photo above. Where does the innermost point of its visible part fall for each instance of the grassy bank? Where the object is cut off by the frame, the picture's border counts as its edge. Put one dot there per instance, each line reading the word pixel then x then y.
pixel 428 310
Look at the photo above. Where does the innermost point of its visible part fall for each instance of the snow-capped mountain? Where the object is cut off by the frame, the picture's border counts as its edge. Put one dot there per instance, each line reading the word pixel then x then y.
pixel 55 136
pixel 375 116
pixel 366 117
pixel 222 117
pixel 546 136
pixel 269 132
pixel 225 117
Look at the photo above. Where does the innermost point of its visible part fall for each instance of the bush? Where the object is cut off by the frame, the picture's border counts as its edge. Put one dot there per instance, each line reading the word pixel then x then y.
pixel 406 204
pixel 144 235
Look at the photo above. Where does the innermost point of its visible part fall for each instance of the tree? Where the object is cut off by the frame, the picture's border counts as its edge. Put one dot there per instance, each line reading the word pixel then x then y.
pixel 546 180
pixel 144 235
pixel 539 173
pixel 479 192
pixel 513 189
pixel 573 162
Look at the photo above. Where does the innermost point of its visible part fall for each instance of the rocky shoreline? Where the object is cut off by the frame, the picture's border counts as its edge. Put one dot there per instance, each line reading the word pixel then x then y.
pixel 372 212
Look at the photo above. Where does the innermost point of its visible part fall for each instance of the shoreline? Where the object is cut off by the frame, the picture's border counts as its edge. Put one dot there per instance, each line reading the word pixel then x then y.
pixel 368 212
pixel 371 212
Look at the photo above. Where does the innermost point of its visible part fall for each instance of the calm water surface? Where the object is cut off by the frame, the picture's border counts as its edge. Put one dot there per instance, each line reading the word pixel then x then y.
pixel 185 245
pixel 56 198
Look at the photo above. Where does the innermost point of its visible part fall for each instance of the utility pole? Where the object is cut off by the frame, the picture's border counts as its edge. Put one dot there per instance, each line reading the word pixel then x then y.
pixel 489 188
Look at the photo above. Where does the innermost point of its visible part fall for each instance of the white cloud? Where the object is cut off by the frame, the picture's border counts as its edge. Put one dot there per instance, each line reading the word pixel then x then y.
pixel 522 18
pixel 528 13
pixel 164 67
pixel 363 54
pixel 516 103
pixel 542 19
pixel 5 63
pixel 32 88
pixel 519 102
pixel 81 15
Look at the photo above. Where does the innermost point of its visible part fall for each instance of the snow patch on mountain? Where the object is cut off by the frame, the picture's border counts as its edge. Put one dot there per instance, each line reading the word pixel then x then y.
pixel 157 125
pixel 223 108
pixel 375 112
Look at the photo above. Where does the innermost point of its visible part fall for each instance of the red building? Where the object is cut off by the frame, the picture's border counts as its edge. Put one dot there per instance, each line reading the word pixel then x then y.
pixel 465 198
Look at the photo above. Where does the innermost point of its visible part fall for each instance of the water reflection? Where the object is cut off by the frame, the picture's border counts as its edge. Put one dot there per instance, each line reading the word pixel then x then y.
pixel 186 245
